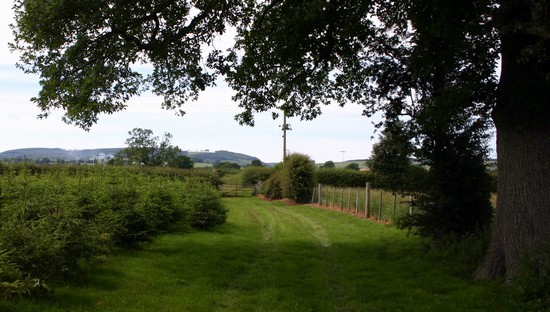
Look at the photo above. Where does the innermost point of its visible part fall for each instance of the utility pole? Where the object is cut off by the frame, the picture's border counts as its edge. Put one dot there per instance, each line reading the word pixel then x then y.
pixel 284 136
pixel 285 128
pixel 342 155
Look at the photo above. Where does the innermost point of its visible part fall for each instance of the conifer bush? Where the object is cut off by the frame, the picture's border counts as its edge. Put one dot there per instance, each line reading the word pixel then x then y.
pixel 205 206
pixel 54 219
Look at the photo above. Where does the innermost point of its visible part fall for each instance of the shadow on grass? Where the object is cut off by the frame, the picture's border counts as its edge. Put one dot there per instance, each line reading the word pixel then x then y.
pixel 236 267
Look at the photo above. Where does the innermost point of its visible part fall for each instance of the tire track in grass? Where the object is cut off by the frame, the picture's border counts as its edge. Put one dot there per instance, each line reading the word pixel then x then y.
pixel 291 263
pixel 316 230
pixel 258 216
pixel 332 271
pixel 292 219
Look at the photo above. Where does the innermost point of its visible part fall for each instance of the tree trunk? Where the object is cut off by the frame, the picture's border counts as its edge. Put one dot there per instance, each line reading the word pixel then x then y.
pixel 521 233
pixel 522 225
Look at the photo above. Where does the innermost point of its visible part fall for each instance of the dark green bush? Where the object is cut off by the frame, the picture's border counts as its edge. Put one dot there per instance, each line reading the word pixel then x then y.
pixel 272 188
pixel 252 175
pixel 53 220
pixel 344 177
pixel 14 283
pixel 159 206
pixel 298 179
pixel 205 206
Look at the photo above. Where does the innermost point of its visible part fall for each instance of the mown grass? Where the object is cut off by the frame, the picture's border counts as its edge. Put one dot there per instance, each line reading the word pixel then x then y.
pixel 273 257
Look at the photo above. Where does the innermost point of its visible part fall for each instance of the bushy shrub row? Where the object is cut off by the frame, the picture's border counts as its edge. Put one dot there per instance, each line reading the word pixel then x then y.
pixel 252 175
pixel 53 220
pixel 414 179
pixel 343 177
pixel 206 176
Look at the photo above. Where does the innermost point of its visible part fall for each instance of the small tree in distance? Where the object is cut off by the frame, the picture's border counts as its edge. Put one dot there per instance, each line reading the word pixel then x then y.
pixel 328 164
pixel 352 166
pixel 146 149
pixel 390 157
pixel 256 163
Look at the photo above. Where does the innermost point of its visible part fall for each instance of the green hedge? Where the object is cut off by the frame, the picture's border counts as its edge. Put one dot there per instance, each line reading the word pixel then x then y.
pixel 344 177
pixel 252 175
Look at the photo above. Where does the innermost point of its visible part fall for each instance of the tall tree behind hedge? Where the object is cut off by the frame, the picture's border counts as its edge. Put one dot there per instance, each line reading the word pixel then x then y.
pixel 390 157
pixel 298 180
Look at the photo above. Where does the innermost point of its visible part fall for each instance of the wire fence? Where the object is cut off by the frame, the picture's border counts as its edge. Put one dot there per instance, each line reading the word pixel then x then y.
pixel 376 204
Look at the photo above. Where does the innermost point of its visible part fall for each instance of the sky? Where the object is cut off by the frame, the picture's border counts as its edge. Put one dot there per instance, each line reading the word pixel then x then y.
pixel 338 134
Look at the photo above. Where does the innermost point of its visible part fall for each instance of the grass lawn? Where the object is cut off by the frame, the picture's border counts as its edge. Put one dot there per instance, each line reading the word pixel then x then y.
pixel 273 257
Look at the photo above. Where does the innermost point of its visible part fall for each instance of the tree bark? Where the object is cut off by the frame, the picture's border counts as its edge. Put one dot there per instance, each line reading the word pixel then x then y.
pixel 521 233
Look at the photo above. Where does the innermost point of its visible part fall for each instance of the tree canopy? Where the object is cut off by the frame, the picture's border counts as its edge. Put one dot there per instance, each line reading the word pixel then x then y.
pixel 88 54
pixel 146 149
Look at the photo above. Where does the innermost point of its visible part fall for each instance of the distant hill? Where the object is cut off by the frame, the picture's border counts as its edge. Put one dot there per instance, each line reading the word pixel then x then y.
pixel 58 154
pixel 220 156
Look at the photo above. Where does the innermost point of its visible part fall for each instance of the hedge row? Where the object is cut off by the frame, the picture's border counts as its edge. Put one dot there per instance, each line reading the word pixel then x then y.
pixel 343 177
pixel 53 220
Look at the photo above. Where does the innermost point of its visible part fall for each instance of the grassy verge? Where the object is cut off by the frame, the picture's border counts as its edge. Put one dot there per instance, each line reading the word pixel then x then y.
pixel 272 257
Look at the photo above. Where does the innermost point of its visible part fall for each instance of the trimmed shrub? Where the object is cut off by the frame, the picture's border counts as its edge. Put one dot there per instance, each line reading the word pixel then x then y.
pixel 298 178
pixel 205 206
pixel 273 186
pixel 344 177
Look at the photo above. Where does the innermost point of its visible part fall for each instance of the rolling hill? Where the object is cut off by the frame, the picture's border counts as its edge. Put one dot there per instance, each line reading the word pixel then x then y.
pixel 58 154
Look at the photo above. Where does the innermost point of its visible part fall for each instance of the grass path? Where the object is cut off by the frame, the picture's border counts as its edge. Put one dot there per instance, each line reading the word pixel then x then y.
pixel 272 257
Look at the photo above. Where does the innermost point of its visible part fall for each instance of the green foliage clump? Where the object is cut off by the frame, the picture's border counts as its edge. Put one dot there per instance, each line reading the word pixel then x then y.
pixel 253 175
pixel 298 177
pixel 146 149
pixel 205 206
pixel 226 168
pixel 54 220
pixel 272 188
pixel 352 166
pixel 456 201
pixel 343 177
pixel 328 165
pixel 390 156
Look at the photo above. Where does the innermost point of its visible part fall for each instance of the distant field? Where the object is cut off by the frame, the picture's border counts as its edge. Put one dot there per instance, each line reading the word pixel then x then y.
pixel 203 165
pixel 274 257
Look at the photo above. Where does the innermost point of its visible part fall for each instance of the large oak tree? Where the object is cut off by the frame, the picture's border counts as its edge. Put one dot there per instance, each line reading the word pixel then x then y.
pixel 300 55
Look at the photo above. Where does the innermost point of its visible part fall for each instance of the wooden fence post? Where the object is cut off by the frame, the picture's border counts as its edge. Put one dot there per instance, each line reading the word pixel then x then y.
pixel 342 199
pixel 357 202
pixel 349 197
pixel 333 190
pixel 380 206
pixel 313 195
pixel 410 204
pixel 394 206
pixel 319 192
pixel 367 200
